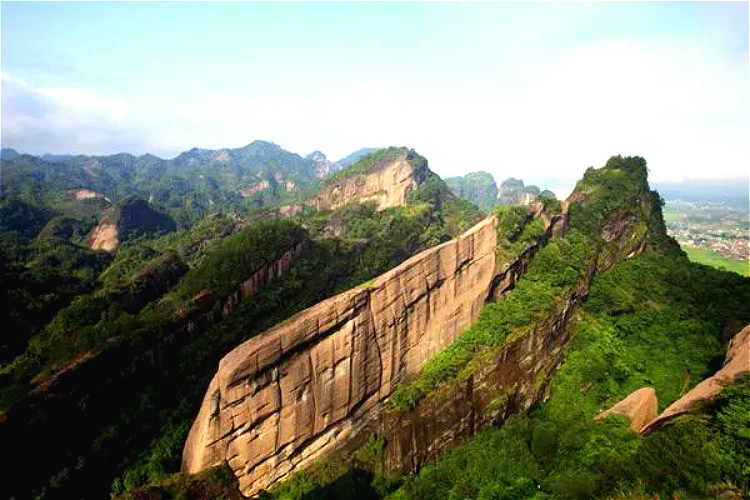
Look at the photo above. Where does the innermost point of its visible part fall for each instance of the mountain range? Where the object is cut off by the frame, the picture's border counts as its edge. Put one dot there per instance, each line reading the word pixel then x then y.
pixel 251 323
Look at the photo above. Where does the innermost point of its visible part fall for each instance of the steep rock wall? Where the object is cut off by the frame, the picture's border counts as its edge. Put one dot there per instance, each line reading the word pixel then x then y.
pixel 290 394
pixel 312 384
pixel 387 185
pixel 510 379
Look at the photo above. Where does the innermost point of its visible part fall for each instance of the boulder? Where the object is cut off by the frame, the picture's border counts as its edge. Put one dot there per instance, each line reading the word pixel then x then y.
pixel 640 407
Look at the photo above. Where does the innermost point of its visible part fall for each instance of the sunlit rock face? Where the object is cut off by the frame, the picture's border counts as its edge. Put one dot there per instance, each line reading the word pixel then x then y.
pixel 289 395
pixel 387 185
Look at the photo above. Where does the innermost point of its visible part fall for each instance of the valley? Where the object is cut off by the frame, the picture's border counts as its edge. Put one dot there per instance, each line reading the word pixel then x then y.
pixel 715 233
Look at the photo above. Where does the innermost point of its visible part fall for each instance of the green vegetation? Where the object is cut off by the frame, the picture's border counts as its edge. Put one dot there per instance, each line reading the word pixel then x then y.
pixel 648 321
pixel 115 312
pixel 233 260
pixel 515 231
pixel 216 483
pixel 556 268
pixel 476 187
pixel 715 259
pixel 369 162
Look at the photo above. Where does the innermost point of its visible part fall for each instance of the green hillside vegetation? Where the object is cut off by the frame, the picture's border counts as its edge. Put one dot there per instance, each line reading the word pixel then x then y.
pixel 665 336
pixel 187 188
pixel 139 439
pixel 552 273
pixel 370 162
pixel 653 320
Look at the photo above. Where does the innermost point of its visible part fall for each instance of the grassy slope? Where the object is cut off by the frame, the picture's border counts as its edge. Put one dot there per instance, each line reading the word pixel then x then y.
pixel 715 259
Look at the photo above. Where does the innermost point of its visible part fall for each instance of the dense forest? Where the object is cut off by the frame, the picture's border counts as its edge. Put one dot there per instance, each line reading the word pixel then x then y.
pixel 106 355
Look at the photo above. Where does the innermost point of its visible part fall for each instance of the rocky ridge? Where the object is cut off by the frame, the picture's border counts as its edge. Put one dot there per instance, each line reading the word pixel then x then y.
pixel 310 385
pixel 387 184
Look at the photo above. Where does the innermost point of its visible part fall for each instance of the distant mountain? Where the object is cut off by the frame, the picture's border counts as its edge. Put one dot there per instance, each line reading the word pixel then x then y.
pixel 353 158
pixel 193 184
pixel 8 153
pixel 477 187
pixel 323 167
pixel 512 191
pixel 730 191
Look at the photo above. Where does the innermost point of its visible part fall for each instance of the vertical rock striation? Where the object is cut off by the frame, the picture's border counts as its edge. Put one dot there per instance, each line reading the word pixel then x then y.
pixel 387 184
pixel 290 394
pixel 315 382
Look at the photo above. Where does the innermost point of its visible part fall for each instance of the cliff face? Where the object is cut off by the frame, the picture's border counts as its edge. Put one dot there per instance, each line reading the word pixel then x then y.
pixel 388 185
pixel 311 385
pixel 289 395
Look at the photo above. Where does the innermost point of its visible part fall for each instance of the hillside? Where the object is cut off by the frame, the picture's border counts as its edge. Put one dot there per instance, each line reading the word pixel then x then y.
pixel 188 187
pixel 382 339
pixel 578 291
pixel 152 324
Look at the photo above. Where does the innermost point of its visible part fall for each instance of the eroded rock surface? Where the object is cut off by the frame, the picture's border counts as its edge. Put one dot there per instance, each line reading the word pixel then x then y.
pixel 736 364
pixel 387 185
pixel 104 237
pixel 639 406
pixel 286 397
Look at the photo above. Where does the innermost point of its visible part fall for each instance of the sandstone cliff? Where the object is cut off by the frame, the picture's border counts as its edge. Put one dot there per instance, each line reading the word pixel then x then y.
pixel 310 385
pixel 387 183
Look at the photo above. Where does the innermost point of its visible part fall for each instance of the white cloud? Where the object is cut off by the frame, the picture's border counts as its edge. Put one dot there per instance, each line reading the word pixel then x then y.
pixel 685 112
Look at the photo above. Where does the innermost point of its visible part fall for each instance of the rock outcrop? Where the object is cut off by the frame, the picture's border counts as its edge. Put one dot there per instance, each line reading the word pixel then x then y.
pixel 323 166
pixel 308 386
pixel 387 184
pixel 640 407
pixel 131 218
pixel 736 365
pixel 104 237
pixel 285 397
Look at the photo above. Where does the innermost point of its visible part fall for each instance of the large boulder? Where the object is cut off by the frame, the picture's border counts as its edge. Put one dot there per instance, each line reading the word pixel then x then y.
pixel 639 406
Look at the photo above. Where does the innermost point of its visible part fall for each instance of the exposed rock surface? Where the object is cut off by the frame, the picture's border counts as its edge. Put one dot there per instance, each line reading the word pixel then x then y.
pixel 311 384
pixel 323 166
pixel 104 237
pixel 254 188
pixel 512 191
pixel 388 185
pixel 639 406
pixel 287 396
pixel 736 364
pixel 84 194
pixel 132 218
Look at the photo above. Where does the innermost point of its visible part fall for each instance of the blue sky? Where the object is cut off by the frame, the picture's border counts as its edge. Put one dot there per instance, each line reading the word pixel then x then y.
pixel 526 89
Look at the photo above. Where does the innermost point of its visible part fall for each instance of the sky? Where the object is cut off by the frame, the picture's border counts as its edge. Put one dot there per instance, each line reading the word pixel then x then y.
pixel 539 91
